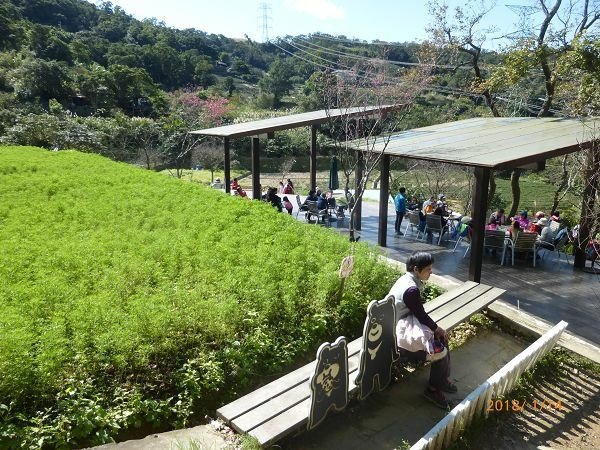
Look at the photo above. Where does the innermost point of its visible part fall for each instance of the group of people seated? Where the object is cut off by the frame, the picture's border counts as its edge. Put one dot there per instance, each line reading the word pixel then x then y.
pixel 324 200
pixel 431 206
pixel 539 224
pixel 550 230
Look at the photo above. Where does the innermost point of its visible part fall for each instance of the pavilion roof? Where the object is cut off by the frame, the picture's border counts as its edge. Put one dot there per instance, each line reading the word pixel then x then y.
pixel 498 142
pixel 263 126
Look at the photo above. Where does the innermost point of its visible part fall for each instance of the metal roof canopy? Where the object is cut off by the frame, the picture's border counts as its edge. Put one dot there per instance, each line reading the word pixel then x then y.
pixel 257 127
pixel 484 144
pixel 494 143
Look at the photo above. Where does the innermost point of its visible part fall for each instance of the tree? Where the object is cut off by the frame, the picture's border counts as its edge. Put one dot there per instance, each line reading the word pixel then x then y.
pixel 369 89
pixel 278 80
pixel 462 37
pixel 210 156
pixel 41 80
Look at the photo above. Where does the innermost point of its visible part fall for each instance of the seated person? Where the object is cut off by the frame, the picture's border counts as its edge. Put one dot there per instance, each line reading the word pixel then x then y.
pixel 287 205
pixel 546 236
pixel 322 202
pixel 555 216
pixel 429 205
pixel 412 203
pixel 311 197
pixel 235 184
pixel 497 218
pixel 288 188
pixel 522 219
pixel 515 229
pixel 330 200
pixel 440 210
pixel 274 199
pixel 217 184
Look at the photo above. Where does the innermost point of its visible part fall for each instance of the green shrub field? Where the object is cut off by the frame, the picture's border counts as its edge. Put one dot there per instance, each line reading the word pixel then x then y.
pixel 132 300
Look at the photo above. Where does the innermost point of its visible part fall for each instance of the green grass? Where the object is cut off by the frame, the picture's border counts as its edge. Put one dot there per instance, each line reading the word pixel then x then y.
pixel 132 299
pixel 203 176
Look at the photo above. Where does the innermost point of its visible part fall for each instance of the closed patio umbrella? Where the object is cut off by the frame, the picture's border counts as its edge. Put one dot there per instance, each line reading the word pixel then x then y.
pixel 334 182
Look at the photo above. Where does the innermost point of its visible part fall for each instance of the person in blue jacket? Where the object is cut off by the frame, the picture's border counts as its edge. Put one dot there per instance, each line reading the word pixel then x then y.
pixel 400 203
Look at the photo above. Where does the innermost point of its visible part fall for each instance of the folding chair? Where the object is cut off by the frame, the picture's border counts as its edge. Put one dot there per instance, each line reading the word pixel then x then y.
pixel 559 247
pixel 301 207
pixel 524 242
pixel 433 224
pixel 496 240
pixel 413 222
pixel 466 238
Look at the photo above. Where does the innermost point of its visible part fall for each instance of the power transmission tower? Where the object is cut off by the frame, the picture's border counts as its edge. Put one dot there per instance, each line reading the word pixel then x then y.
pixel 263 18
pixel 524 12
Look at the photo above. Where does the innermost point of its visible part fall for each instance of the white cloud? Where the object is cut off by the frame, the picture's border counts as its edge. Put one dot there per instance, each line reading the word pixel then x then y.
pixel 321 9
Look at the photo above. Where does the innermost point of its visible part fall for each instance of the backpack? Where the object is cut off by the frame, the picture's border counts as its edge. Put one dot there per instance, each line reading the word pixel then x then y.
pixel 562 232
pixel 461 230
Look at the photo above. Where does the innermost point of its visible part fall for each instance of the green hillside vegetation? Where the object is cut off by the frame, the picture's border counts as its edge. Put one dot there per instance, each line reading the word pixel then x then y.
pixel 134 300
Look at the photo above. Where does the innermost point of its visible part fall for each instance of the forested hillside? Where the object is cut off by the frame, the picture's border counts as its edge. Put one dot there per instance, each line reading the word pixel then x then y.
pixel 75 75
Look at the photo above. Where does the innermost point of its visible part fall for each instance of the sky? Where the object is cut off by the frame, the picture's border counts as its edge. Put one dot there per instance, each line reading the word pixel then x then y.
pixel 385 20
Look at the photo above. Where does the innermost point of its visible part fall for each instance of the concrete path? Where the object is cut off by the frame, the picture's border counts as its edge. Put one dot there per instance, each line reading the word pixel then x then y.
pixel 386 419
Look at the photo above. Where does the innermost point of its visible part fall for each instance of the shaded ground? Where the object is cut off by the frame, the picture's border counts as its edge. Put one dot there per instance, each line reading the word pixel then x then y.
pixel 572 424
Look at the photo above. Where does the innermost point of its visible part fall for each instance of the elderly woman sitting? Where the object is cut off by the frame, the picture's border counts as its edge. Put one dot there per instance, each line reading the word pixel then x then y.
pixel 522 220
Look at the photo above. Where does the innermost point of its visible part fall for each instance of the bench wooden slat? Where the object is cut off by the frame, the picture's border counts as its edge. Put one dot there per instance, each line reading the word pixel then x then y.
pixel 458 303
pixel 449 295
pixel 266 392
pixel 279 426
pixel 468 310
pixel 259 415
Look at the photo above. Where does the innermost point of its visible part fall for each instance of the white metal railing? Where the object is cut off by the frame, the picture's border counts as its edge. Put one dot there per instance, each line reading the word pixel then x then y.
pixel 475 404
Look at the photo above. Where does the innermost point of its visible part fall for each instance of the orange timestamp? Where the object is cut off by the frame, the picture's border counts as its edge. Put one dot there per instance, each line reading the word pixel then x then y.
pixel 520 405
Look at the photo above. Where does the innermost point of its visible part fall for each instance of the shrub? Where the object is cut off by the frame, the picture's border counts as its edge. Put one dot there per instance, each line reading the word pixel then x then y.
pixel 132 299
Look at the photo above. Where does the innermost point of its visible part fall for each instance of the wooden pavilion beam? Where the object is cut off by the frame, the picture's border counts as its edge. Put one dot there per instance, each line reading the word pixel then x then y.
pixel 256 191
pixel 227 165
pixel 313 156
pixel 384 188
pixel 480 195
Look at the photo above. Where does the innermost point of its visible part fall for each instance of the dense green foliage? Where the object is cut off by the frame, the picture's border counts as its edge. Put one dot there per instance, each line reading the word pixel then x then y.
pixel 132 299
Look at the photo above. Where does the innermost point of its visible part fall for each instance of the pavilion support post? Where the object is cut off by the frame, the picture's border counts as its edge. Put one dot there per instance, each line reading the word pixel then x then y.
pixel 384 189
pixel 313 156
pixel 256 191
pixel 357 219
pixel 480 195
pixel 227 165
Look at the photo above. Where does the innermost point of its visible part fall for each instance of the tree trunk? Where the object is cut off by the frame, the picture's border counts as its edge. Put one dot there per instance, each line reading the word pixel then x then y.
pixel 564 178
pixel 516 191
pixel 588 203
pixel 492 190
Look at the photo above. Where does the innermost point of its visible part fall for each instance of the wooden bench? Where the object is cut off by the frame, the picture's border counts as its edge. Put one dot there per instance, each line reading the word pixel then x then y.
pixel 282 406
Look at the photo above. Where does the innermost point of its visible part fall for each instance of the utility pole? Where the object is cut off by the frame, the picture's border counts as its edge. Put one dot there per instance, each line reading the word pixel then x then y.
pixel 263 18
